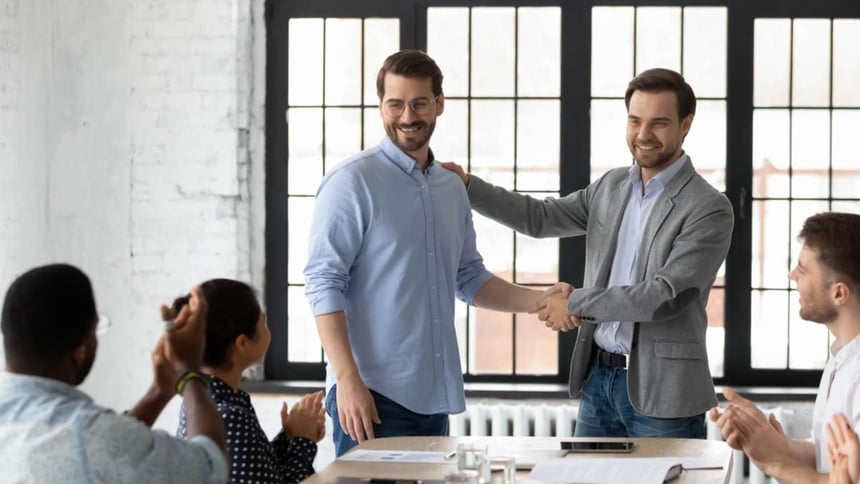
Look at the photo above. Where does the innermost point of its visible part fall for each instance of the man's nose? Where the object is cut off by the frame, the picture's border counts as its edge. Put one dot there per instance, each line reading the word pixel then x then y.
pixel 408 114
pixel 644 133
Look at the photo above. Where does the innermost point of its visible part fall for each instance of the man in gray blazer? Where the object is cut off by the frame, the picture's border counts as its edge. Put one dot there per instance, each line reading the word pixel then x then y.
pixel 656 233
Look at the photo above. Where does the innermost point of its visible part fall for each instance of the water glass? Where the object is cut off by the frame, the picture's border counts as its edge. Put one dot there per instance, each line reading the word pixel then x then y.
pixel 473 456
pixel 466 476
pixel 506 465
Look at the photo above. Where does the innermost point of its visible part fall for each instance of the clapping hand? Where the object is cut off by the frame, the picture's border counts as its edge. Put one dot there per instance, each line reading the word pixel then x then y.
pixel 306 419
pixel 843 448
pixel 165 374
pixel 745 427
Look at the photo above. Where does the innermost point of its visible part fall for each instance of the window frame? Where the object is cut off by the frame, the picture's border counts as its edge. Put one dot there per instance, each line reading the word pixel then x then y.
pixel 574 145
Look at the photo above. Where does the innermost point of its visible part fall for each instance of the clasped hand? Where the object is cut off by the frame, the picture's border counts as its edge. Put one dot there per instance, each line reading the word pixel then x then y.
pixel 552 308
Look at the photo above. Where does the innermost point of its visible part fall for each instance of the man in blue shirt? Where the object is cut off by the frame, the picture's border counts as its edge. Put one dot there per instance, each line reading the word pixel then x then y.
pixel 391 245
pixel 52 432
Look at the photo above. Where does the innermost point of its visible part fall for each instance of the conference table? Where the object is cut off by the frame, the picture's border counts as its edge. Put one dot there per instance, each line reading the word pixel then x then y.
pixel 713 451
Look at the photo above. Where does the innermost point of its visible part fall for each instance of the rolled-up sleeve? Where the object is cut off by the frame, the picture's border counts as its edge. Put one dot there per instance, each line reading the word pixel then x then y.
pixel 336 234
pixel 471 274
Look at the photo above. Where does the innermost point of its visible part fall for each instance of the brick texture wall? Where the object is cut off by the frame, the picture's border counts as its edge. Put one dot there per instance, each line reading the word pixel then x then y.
pixel 137 161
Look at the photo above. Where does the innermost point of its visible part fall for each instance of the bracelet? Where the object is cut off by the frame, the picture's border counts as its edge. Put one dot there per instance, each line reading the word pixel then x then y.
pixel 186 377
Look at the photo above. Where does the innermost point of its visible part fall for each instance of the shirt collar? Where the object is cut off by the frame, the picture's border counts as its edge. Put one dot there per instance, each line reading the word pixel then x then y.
pixel 222 392
pixel 400 158
pixel 850 350
pixel 662 179
pixel 19 383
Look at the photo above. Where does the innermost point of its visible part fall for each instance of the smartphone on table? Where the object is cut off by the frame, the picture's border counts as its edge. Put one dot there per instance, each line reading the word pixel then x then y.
pixel 596 446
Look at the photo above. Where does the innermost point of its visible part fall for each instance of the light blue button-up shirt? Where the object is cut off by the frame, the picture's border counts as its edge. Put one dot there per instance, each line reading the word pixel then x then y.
pixel 392 245
pixel 52 432
pixel 617 336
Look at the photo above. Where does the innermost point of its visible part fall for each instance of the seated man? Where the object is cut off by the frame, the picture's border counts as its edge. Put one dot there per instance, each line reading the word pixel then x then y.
pixel 51 432
pixel 828 284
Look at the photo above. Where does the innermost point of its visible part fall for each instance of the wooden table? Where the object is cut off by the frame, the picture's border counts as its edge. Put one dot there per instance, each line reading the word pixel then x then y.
pixel 712 450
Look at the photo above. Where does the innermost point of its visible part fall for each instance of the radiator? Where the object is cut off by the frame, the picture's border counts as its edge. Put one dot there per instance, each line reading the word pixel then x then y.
pixel 483 419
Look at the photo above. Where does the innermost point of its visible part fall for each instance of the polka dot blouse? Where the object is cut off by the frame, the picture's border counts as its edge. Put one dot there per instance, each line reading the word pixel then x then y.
pixel 253 459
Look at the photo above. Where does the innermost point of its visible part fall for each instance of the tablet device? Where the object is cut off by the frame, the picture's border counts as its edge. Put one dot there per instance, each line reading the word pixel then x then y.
pixel 595 446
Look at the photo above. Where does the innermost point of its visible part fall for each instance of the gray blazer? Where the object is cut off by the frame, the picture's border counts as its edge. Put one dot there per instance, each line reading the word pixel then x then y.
pixel 684 244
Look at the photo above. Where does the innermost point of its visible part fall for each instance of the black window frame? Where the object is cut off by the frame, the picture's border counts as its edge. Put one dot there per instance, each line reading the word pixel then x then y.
pixel 574 146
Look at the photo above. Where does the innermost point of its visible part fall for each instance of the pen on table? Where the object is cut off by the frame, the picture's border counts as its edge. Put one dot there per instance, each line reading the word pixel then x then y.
pixel 450 455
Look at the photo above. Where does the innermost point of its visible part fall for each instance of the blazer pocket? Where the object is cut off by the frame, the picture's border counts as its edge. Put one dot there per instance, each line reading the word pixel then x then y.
pixel 686 351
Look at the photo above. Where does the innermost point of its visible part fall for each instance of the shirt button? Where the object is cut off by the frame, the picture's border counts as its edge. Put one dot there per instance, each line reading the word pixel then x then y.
pixel 438 355
pixel 430 254
pixel 429 220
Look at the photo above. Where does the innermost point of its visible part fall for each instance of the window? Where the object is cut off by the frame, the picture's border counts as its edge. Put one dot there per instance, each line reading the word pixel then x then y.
pixel 534 103
pixel 803 108
pixel 331 115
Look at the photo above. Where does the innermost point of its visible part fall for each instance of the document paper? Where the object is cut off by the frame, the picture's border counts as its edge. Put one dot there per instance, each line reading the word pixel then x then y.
pixel 419 456
pixel 602 470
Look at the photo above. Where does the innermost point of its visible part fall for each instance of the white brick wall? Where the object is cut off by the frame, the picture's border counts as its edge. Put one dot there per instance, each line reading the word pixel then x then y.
pixel 23 201
pixel 10 210
pixel 136 162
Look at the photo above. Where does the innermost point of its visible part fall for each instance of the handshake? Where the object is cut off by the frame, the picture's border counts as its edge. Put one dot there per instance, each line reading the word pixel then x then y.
pixel 551 308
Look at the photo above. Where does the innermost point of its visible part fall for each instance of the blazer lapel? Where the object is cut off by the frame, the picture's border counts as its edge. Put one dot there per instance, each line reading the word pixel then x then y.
pixel 662 208
pixel 615 214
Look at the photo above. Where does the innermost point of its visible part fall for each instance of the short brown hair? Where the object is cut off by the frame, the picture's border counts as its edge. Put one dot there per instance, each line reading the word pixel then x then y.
pixel 413 64
pixel 836 237
pixel 661 80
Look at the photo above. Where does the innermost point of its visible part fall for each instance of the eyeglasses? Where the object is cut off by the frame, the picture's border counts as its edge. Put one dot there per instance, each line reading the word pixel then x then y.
pixel 395 108
pixel 103 325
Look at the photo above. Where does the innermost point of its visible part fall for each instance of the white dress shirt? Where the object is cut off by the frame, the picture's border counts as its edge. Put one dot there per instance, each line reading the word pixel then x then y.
pixel 839 392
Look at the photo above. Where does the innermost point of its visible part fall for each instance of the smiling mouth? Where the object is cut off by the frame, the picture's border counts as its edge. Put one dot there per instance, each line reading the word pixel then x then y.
pixel 648 147
pixel 409 129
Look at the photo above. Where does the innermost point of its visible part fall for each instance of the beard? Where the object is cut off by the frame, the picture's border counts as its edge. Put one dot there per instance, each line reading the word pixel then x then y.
pixel 653 159
pixel 413 141
pixel 818 313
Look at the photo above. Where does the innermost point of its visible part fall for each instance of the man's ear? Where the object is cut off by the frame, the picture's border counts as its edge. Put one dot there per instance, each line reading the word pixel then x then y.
pixel 840 293
pixel 440 104
pixel 686 124
pixel 79 354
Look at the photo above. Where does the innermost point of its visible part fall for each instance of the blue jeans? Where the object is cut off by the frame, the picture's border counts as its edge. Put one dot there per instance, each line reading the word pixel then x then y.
pixel 397 421
pixel 605 411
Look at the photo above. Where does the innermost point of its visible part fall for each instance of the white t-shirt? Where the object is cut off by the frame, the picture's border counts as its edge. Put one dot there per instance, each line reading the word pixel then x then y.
pixel 839 392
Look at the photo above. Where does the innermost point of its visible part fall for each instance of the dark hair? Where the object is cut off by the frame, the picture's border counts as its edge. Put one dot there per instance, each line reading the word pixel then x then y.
pixel 661 80
pixel 47 313
pixel 836 237
pixel 410 63
pixel 233 310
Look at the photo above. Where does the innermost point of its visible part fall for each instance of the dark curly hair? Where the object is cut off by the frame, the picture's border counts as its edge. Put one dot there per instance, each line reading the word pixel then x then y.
pixel 233 310
pixel 47 312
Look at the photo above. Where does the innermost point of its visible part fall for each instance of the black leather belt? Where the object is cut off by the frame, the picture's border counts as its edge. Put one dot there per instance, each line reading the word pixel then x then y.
pixel 612 360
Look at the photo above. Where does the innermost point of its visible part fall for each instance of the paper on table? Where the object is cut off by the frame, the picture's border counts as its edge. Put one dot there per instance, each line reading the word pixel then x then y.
pixel 420 456
pixel 602 470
